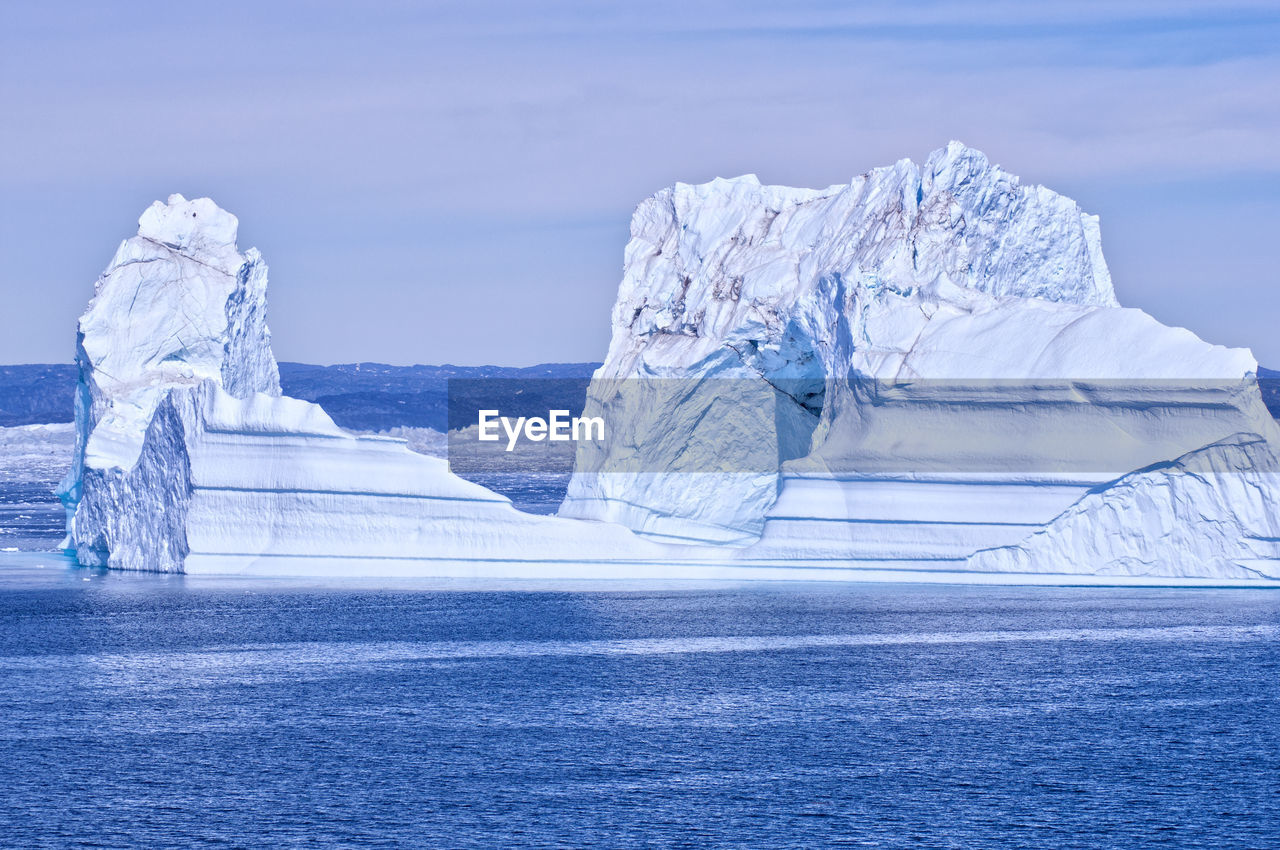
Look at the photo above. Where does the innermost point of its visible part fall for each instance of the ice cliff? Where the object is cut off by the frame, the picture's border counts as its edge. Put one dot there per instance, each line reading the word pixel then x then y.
pixel 922 374
pixel 178 305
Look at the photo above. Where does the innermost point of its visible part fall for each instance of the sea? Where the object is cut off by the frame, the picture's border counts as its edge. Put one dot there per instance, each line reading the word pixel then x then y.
pixel 170 711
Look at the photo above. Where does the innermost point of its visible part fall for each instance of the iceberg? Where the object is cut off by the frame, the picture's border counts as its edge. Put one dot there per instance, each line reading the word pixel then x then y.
pixel 188 458
pixel 923 375
pixel 943 369
pixel 177 306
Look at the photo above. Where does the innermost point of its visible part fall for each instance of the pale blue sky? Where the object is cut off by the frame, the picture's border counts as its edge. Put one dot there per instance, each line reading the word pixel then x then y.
pixel 448 181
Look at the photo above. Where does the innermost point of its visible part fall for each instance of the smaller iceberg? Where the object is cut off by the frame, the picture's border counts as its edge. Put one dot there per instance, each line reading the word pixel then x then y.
pixel 188 458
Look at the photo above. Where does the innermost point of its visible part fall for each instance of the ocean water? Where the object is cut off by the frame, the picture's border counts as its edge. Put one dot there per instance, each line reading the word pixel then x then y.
pixel 32 460
pixel 30 517
pixel 162 711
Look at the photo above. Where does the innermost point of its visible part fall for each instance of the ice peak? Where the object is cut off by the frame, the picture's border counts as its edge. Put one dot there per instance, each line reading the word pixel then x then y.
pixel 721 257
pixel 741 179
pixel 197 226
pixel 956 153
pixel 178 305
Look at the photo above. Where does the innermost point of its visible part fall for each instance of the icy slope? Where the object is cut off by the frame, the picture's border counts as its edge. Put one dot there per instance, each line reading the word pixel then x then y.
pixel 1212 512
pixel 274 480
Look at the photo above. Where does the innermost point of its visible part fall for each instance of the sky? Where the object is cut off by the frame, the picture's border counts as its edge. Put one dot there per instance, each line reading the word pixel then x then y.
pixel 438 182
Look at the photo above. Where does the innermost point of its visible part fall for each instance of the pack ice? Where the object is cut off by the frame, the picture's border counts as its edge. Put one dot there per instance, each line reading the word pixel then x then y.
pixel 951 393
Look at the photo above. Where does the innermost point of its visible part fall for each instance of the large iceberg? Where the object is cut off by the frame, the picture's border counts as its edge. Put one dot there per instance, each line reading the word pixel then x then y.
pixel 941 368
pixel 923 374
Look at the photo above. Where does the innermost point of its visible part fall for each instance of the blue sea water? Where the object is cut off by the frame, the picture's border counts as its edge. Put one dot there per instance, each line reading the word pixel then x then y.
pixel 161 711
pixel 30 516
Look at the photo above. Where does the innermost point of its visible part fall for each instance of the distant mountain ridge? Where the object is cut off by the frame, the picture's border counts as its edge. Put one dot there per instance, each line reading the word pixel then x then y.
pixel 37 393
pixel 375 396
pixel 1269 382
pixel 359 396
